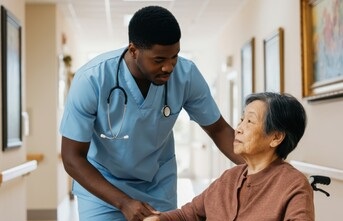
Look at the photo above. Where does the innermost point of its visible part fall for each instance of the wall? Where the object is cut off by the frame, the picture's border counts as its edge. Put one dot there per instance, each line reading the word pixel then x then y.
pixel 13 192
pixel 45 68
pixel 66 47
pixel 321 144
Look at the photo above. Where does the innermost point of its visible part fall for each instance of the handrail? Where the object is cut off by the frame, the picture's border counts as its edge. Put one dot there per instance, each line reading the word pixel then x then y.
pixel 316 169
pixel 18 171
pixel 35 156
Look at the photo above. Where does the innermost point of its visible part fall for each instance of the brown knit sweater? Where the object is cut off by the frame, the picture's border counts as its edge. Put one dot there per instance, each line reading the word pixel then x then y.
pixel 279 192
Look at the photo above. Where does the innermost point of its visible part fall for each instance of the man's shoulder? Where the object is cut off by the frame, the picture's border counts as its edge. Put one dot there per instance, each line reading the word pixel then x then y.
pixel 185 62
pixel 102 59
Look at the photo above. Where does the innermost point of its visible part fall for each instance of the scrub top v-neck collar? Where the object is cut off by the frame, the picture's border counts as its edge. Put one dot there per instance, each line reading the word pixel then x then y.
pixel 133 89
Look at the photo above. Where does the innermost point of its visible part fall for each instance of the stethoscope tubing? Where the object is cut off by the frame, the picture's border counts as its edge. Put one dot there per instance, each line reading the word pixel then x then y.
pixel 166 110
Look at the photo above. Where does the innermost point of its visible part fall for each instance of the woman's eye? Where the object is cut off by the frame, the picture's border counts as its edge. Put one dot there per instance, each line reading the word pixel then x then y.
pixel 250 121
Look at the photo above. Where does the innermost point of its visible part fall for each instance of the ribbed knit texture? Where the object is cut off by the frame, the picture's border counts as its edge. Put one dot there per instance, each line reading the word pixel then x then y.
pixel 277 193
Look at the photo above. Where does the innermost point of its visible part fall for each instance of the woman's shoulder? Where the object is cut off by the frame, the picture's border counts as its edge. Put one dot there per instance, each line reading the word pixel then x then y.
pixel 289 173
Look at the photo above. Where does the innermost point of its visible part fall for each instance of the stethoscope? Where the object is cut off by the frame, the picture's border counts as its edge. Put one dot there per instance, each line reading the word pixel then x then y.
pixel 166 111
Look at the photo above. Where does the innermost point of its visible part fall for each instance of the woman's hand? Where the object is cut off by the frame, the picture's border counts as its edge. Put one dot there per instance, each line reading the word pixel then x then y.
pixel 152 218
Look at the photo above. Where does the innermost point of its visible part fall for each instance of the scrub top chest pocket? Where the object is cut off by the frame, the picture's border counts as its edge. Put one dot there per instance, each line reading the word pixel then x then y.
pixel 165 127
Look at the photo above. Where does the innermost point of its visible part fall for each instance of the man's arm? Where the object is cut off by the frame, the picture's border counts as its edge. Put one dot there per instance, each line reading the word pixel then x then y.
pixel 223 136
pixel 74 157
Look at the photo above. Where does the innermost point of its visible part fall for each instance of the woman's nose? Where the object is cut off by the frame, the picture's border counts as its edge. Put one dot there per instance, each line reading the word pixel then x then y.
pixel 239 129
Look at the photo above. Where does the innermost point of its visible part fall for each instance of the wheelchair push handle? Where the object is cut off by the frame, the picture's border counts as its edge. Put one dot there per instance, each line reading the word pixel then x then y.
pixel 314 180
pixel 320 179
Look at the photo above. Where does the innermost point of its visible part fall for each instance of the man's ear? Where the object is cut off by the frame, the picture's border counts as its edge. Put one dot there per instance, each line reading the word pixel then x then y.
pixel 132 50
pixel 277 138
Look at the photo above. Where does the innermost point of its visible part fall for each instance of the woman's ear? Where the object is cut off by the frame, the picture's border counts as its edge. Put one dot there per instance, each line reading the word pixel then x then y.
pixel 277 138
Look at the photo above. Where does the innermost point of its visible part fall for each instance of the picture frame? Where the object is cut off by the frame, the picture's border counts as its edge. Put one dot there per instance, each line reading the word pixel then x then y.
pixel 247 69
pixel 322 55
pixel 11 80
pixel 273 47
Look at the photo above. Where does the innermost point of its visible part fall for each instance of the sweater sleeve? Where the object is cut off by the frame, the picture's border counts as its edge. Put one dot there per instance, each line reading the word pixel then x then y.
pixel 194 211
pixel 300 203
pixel 212 204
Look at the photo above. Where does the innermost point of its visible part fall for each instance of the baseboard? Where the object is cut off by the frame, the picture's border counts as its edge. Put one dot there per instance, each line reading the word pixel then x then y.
pixel 42 214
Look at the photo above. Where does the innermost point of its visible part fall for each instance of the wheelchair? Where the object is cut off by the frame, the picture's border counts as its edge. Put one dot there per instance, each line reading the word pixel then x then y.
pixel 316 179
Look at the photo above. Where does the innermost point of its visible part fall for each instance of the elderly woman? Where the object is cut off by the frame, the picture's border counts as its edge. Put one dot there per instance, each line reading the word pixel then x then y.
pixel 265 187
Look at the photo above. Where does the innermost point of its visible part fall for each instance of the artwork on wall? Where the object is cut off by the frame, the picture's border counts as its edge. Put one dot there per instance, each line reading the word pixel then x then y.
pixel 322 54
pixel 273 62
pixel 11 80
pixel 247 68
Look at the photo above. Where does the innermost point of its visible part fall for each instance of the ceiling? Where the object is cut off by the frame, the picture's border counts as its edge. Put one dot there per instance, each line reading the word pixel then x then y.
pixel 100 24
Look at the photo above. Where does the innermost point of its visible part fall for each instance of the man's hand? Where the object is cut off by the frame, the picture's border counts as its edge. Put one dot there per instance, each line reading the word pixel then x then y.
pixel 134 210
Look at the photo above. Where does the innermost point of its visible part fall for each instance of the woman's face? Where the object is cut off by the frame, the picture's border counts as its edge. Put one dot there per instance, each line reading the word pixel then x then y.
pixel 250 138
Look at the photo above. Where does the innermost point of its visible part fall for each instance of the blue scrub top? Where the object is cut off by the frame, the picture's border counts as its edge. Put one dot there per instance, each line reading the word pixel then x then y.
pixel 143 166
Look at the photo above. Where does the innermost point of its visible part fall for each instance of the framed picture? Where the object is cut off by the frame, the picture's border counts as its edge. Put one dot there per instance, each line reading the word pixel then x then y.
pixel 273 62
pixel 247 65
pixel 322 54
pixel 11 80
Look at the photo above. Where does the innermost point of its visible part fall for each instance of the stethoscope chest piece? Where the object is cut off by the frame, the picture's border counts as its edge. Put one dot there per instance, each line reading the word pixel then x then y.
pixel 166 111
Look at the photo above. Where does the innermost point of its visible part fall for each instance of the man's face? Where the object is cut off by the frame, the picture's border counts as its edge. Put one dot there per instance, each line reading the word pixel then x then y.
pixel 156 64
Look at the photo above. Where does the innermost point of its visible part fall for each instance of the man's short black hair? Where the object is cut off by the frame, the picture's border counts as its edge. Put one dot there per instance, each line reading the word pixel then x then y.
pixel 153 25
